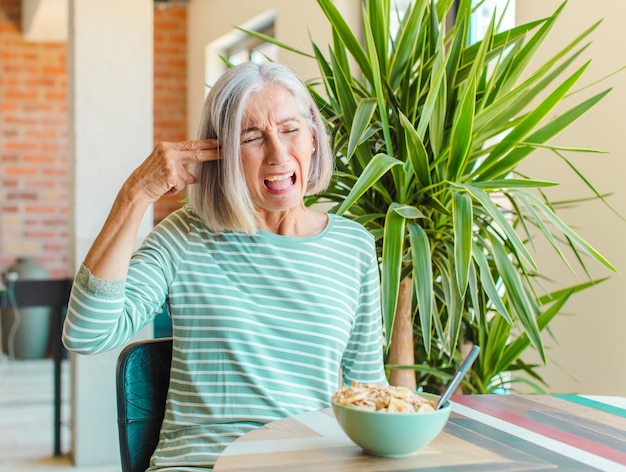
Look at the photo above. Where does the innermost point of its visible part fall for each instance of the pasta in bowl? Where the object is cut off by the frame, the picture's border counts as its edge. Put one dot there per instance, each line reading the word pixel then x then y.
pixel 388 421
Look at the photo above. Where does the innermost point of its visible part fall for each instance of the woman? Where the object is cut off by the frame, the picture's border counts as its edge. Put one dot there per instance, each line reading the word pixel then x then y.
pixel 269 299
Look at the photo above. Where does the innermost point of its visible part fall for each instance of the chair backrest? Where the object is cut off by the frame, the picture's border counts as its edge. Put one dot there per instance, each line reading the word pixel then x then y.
pixel 143 374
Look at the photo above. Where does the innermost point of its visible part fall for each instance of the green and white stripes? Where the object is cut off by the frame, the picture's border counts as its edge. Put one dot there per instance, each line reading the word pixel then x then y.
pixel 261 324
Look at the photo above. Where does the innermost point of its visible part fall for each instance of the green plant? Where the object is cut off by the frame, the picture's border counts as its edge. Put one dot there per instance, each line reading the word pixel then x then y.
pixel 429 132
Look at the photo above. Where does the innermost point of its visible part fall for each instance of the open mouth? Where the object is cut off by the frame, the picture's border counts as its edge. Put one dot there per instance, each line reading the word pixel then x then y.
pixel 280 182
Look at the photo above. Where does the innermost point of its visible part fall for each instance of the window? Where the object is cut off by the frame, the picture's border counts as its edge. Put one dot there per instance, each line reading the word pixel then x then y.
pixel 253 49
pixel 237 47
pixel 505 16
pixel 484 9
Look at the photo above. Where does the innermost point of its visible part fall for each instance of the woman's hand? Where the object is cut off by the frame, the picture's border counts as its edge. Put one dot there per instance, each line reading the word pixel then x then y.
pixel 164 172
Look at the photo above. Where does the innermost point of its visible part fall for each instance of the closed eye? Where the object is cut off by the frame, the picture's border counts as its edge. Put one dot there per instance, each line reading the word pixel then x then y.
pixel 250 139
pixel 290 130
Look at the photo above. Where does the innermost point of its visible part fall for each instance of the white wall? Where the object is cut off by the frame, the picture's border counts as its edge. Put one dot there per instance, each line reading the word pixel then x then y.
pixel 589 353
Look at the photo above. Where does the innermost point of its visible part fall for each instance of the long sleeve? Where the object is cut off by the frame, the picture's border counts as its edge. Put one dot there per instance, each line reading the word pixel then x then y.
pixel 97 320
pixel 362 361
pixel 104 315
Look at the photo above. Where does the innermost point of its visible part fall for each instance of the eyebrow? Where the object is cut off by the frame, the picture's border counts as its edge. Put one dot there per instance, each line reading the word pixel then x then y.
pixel 256 128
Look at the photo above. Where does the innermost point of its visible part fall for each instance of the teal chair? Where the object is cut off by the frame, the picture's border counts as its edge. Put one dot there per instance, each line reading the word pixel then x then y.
pixel 142 380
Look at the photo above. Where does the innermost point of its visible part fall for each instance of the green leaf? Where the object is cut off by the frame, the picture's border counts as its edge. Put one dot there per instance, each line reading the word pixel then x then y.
pixel 497 339
pixel 567 231
pixel 454 305
pixel 360 124
pixel 347 36
pixel 422 279
pixel 272 40
pixel 418 155
pixel 557 294
pixel 517 293
pixel 377 80
pixel 499 218
pixel 502 184
pixel 534 216
pixel 378 15
pixel 459 42
pixel 376 168
pixel 437 80
pixel 339 52
pixel 461 140
pixel 488 283
pixel 508 100
pixel 391 268
pixel 408 211
pixel 515 349
pixel 462 221
pixel 406 43
pixel 343 91
pixel 489 169
pixel 552 128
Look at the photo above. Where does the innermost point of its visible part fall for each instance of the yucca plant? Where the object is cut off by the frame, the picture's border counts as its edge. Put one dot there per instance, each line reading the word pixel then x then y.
pixel 429 132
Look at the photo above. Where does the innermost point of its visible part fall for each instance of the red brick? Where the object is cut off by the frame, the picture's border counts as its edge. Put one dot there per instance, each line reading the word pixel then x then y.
pixel 19 171
pixel 40 209
pixel 39 234
pixel 21 196
pixel 33 159
pixel 54 247
pixel 39 184
pixel 56 224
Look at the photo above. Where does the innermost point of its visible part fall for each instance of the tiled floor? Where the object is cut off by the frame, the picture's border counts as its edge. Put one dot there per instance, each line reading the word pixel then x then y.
pixel 26 415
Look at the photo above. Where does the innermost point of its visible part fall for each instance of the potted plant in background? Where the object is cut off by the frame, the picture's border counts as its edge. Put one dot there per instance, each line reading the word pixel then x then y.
pixel 429 133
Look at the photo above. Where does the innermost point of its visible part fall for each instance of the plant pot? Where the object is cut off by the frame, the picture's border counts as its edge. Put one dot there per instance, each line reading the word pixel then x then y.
pixel 25 331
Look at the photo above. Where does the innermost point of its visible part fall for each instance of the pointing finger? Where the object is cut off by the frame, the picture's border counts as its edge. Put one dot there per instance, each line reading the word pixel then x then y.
pixel 198 150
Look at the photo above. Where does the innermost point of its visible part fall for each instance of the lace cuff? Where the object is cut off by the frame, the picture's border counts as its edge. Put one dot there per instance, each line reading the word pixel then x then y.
pixel 108 289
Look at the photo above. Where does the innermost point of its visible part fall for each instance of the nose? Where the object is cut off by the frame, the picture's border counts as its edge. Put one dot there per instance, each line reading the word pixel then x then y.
pixel 276 150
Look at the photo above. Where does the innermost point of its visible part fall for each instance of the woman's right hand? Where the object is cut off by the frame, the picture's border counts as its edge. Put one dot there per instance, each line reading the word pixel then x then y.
pixel 164 171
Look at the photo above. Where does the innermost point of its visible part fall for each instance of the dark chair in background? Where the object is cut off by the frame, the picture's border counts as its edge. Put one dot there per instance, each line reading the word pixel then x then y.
pixel 142 379
pixel 54 294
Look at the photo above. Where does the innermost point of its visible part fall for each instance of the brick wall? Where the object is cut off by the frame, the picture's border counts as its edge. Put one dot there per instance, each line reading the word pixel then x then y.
pixel 34 170
pixel 34 150
pixel 170 87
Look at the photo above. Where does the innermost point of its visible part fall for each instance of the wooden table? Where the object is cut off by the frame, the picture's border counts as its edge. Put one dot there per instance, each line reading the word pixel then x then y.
pixel 484 433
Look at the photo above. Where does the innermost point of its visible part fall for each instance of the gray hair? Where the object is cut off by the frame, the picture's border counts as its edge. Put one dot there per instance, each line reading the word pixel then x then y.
pixel 220 195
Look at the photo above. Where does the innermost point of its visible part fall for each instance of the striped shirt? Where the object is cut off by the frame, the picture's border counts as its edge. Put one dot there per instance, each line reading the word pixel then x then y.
pixel 262 324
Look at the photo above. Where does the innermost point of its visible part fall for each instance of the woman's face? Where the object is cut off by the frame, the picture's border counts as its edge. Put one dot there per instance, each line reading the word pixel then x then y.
pixel 276 149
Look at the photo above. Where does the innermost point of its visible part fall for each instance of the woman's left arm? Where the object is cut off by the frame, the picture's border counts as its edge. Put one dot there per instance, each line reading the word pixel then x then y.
pixel 363 359
pixel 103 314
